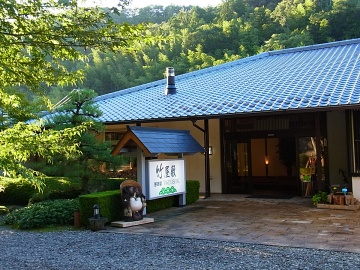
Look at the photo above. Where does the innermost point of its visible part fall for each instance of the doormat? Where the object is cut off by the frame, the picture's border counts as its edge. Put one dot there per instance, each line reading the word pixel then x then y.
pixel 276 197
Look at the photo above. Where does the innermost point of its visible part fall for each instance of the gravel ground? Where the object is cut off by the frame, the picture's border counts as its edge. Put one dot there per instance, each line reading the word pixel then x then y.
pixel 96 250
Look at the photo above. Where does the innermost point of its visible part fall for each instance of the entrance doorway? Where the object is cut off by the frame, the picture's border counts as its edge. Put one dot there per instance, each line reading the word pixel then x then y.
pixel 274 154
pixel 254 166
pixel 237 166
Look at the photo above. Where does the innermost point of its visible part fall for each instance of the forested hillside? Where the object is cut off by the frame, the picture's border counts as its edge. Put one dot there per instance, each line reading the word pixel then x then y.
pixel 191 38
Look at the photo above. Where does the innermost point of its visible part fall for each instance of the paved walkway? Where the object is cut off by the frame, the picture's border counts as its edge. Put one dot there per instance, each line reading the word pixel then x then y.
pixel 291 222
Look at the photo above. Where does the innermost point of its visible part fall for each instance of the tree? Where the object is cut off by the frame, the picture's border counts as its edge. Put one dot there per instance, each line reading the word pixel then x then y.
pixel 294 14
pixel 95 155
pixel 344 20
pixel 37 39
pixel 222 33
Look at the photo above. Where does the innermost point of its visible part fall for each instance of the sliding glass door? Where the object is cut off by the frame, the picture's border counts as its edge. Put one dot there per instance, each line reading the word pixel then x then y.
pixel 237 166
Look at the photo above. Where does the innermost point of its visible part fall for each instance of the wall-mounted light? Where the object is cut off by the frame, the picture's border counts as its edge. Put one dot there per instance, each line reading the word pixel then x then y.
pixel 266 160
pixel 267 165
pixel 210 150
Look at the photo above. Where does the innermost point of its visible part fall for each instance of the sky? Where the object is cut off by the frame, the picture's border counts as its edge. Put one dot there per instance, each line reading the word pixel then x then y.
pixel 144 3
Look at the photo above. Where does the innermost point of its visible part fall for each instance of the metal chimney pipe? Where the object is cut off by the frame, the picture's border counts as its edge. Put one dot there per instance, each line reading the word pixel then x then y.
pixel 170 81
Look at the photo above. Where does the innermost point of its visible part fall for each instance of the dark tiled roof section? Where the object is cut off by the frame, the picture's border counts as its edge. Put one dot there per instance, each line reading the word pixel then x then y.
pixel 311 77
pixel 167 141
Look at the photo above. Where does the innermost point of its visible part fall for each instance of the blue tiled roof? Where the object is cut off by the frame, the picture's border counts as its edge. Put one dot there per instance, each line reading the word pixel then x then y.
pixel 312 77
pixel 161 140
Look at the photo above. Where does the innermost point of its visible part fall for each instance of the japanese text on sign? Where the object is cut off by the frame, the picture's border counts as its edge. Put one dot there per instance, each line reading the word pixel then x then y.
pixel 166 177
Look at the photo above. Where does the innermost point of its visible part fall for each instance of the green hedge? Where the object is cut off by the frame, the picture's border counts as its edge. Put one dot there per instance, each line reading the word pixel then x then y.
pixel 192 195
pixel 108 201
pixel 161 204
pixel 111 206
pixel 192 191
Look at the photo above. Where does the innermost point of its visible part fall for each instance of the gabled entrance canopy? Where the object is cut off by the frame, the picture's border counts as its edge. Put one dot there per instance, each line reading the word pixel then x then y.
pixel 150 141
pixel 154 141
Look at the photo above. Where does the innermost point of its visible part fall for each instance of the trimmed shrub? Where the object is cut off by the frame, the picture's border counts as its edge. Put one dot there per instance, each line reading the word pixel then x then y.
pixel 192 191
pixel 43 214
pixel 161 204
pixel 108 201
pixel 192 195
pixel 111 206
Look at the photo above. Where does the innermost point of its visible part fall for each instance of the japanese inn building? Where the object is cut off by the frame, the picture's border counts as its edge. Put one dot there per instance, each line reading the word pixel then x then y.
pixel 268 123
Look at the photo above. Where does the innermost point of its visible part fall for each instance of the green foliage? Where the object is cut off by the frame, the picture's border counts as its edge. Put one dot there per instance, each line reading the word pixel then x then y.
pixel 74 110
pixel 16 191
pixel 161 204
pixel 38 41
pixel 192 195
pixel 20 192
pixel 192 191
pixel 111 183
pixel 108 201
pixel 21 141
pixel 320 197
pixel 39 215
pixel 233 30
pixel 27 41
pixel 193 37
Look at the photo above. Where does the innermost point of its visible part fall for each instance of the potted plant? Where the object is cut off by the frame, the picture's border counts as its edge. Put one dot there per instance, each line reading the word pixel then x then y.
pixel 320 197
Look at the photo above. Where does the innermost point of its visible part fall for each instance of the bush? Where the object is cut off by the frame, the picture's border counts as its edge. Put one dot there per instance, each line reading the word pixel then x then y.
pixel 161 204
pixel 108 201
pixel 192 195
pixel 16 191
pixel 22 193
pixel 192 191
pixel 43 214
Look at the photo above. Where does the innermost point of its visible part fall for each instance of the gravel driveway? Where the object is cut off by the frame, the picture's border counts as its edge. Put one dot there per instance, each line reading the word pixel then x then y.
pixel 96 250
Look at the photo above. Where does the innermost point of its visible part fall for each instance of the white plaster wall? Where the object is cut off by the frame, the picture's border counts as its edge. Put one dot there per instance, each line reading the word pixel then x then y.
pixel 356 187
pixel 336 124
pixel 215 158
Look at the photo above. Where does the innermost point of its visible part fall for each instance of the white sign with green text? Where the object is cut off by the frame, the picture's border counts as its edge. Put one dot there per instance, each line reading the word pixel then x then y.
pixel 166 177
